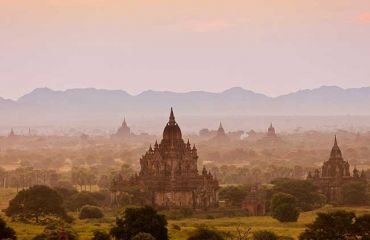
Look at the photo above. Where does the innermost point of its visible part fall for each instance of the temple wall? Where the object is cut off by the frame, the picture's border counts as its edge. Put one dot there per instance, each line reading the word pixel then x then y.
pixel 174 199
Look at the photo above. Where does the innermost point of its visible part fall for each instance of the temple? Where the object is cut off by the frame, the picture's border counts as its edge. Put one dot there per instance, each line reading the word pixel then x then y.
pixel 270 138
pixel 271 132
pixel 124 131
pixel 12 134
pixel 220 134
pixel 334 174
pixel 169 175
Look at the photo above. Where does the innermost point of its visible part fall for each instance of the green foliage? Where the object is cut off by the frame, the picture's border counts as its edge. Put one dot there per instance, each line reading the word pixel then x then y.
pixel 35 203
pixel 78 200
pixel 56 231
pixel 265 235
pixel 355 193
pixel 178 213
pixel 143 236
pixel 283 207
pixel 5 231
pixel 100 235
pixel 137 220
pixel 232 195
pixel 65 193
pixel 339 225
pixel 133 196
pixel 308 198
pixel 203 233
pixel 88 212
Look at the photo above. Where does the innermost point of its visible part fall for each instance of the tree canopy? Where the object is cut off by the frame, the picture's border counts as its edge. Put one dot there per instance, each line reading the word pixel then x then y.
pixel 304 191
pixel 233 195
pixel 35 203
pixel 140 220
pixel 284 207
pixel 339 225
pixel 355 193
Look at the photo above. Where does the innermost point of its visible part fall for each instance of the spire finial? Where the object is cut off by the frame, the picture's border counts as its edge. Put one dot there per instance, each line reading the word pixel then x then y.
pixel 335 140
pixel 172 116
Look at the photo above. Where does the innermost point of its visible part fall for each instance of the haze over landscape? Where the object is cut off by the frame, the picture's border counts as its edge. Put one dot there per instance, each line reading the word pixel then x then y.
pixel 330 107
pixel 185 119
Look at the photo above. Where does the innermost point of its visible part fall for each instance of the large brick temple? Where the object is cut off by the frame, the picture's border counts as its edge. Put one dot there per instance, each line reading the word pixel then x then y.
pixel 169 175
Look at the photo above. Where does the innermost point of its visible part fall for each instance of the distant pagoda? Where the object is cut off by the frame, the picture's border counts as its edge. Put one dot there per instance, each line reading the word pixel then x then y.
pixel 220 134
pixel 270 138
pixel 12 134
pixel 271 132
pixel 169 175
pixel 124 131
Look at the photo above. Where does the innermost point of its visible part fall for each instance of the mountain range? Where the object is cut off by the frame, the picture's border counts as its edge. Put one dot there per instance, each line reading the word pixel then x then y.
pixel 46 106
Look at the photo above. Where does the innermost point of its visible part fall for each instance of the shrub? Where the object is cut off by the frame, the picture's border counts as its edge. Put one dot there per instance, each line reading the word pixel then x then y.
pixel 283 207
pixel 265 235
pixel 5 231
pixel 203 233
pixel 143 236
pixel 100 235
pixel 88 211
pixel 138 220
pixel 56 229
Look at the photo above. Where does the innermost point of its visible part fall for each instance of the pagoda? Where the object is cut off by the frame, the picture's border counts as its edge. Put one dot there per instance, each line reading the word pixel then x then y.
pixel 169 176
pixel 334 174
pixel 124 131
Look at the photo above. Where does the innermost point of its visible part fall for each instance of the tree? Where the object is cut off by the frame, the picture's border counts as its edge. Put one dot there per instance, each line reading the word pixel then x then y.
pixel 143 236
pixel 283 207
pixel 355 193
pixel 100 235
pixel 304 191
pixel 65 193
pixel 88 212
pixel 57 231
pixel 35 203
pixel 265 235
pixel 362 226
pixel 339 225
pixel 5 231
pixel 78 200
pixel 203 233
pixel 137 220
pixel 233 195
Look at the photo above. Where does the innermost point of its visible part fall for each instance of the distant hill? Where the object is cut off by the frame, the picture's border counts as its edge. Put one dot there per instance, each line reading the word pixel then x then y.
pixel 46 106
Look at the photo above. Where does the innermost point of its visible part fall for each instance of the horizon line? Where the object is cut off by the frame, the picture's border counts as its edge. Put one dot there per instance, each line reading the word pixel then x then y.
pixel 181 92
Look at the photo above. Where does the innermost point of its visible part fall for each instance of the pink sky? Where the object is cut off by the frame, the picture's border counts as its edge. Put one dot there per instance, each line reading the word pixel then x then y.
pixel 273 46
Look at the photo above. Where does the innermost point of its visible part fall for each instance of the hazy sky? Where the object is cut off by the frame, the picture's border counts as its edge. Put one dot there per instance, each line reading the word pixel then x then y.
pixel 269 46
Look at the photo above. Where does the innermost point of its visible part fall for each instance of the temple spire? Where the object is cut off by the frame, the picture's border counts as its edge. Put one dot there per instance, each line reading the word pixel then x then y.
pixel 172 117
pixel 335 141
pixel 124 124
